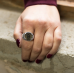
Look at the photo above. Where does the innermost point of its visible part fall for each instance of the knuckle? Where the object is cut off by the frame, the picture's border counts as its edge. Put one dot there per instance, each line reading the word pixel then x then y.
pixel 52 22
pixel 15 35
pixel 59 38
pixel 47 46
pixel 28 20
pixel 36 50
pixel 27 47
pixel 56 22
pixel 42 55
pixel 42 23
pixel 58 35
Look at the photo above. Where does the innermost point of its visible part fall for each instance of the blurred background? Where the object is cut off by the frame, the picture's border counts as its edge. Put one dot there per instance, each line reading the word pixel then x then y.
pixel 17 2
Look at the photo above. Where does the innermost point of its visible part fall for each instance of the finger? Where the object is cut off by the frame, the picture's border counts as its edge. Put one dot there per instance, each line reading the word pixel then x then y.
pixel 47 44
pixel 27 45
pixel 18 32
pixel 39 35
pixel 57 41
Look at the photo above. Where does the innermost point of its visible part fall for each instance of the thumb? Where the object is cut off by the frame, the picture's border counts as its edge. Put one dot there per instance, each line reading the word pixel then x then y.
pixel 18 32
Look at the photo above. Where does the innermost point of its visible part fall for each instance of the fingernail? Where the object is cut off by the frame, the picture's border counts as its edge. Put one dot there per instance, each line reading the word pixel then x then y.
pixel 49 55
pixel 30 61
pixel 24 60
pixel 38 61
pixel 18 42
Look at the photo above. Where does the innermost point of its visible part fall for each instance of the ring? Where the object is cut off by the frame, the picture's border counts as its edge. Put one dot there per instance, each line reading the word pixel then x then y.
pixel 28 36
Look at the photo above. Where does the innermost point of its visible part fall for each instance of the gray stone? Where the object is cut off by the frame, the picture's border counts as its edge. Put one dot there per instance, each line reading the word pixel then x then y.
pixel 46 64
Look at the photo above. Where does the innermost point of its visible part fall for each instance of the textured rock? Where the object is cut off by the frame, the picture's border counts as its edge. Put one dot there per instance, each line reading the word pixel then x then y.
pixel 63 61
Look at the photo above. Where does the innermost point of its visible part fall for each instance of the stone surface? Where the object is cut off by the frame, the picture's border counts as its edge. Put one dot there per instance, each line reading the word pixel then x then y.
pixel 2 67
pixel 63 61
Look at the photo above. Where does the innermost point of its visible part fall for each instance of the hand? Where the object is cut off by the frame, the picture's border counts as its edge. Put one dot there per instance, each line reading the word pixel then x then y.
pixel 44 22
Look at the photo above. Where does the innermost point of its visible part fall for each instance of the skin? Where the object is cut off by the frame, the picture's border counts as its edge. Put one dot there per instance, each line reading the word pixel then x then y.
pixel 44 22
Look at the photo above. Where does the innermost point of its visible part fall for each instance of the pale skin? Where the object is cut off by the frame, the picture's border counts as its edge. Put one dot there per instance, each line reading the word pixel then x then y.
pixel 44 22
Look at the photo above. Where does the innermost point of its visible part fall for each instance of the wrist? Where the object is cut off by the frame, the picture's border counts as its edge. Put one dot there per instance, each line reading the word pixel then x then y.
pixel 40 2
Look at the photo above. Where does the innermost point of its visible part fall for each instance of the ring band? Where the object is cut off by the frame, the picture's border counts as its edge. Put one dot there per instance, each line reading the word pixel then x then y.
pixel 28 36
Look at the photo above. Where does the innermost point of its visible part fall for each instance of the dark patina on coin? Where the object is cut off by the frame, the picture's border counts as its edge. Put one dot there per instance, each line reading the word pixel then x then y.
pixel 28 36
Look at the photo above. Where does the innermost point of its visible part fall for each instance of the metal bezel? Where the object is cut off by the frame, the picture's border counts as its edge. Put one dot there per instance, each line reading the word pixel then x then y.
pixel 23 36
